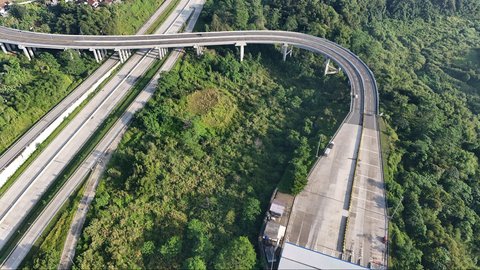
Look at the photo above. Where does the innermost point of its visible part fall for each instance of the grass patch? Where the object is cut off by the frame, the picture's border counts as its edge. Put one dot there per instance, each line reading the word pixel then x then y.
pixel 215 108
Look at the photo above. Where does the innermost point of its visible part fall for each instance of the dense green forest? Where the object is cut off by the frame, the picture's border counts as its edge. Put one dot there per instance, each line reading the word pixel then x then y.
pixel 426 58
pixel 162 202
pixel 72 18
pixel 187 185
pixel 28 89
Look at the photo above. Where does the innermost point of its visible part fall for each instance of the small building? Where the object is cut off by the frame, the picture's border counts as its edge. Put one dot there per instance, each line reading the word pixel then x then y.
pixel 273 233
pixel 297 257
pixel 4 8
pixel 277 209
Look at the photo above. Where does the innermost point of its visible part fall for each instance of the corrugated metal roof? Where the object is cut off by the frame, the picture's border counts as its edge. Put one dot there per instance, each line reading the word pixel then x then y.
pixel 296 257
pixel 277 208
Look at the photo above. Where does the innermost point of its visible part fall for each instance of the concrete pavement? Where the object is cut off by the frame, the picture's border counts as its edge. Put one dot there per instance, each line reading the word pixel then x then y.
pixel 319 213
pixel 367 222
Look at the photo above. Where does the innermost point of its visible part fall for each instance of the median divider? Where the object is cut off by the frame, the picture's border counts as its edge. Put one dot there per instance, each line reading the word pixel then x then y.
pixel 86 149
pixel 33 146
pixel 351 192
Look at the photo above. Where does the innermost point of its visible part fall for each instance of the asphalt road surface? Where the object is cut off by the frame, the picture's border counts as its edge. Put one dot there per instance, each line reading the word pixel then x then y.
pixel 19 145
pixel 27 190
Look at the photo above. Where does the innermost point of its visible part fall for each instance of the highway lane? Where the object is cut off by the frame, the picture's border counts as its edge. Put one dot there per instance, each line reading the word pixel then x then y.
pixel 34 181
pixel 363 112
pixel 367 223
pixel 108 144
pixel 101 154
pixel 320 211
pixel 19 146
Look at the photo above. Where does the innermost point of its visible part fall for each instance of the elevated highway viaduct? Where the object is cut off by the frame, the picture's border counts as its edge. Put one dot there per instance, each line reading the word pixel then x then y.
pixel 365 177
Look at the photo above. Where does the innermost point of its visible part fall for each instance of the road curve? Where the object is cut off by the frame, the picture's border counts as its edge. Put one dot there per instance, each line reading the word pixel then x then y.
pixel 364 109
pixel 356 70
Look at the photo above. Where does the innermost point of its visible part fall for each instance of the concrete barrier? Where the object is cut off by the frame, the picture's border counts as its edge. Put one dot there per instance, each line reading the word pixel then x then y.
pixel 8 171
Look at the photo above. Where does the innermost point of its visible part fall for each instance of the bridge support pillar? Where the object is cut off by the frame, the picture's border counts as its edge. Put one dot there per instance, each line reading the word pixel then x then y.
pixel 242 49
pixel 30 51
pixel 25 51
pixel 330 69
pixel 286 51
pixel 199 49
pixel 120 55
pixel 95 53
pixel 9 48
pixel 100 54
pixel 3 48
pixel 162 52
pixel 124 55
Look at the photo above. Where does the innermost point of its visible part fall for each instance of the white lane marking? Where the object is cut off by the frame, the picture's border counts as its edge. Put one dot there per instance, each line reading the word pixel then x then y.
pixel 365 135
pixel 366 176
pixel 368 190
pixel 364 149
pixel 368 164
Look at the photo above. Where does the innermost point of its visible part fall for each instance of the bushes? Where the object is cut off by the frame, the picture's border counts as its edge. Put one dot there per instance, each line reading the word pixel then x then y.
pixel 202 190
pixel 30 88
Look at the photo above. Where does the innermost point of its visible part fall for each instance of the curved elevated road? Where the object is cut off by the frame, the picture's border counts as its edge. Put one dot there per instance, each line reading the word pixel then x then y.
pixel 360 76
pixel 362 236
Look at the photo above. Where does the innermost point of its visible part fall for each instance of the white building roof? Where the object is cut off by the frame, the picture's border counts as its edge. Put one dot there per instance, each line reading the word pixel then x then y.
pixel 277 208
pixel 296 257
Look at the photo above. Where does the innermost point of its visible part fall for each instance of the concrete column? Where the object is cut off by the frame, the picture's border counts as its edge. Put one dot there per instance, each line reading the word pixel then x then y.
pixel 30 51
pixel 286 51
pixel 242 49
pixel 25 51
pixel 199 49
pixel 119 52
pixel 125 54
pixel 327 63
pixel 95 54
pixel 159 50
pixel 3 48
pixel 330 69
pixel 9 48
